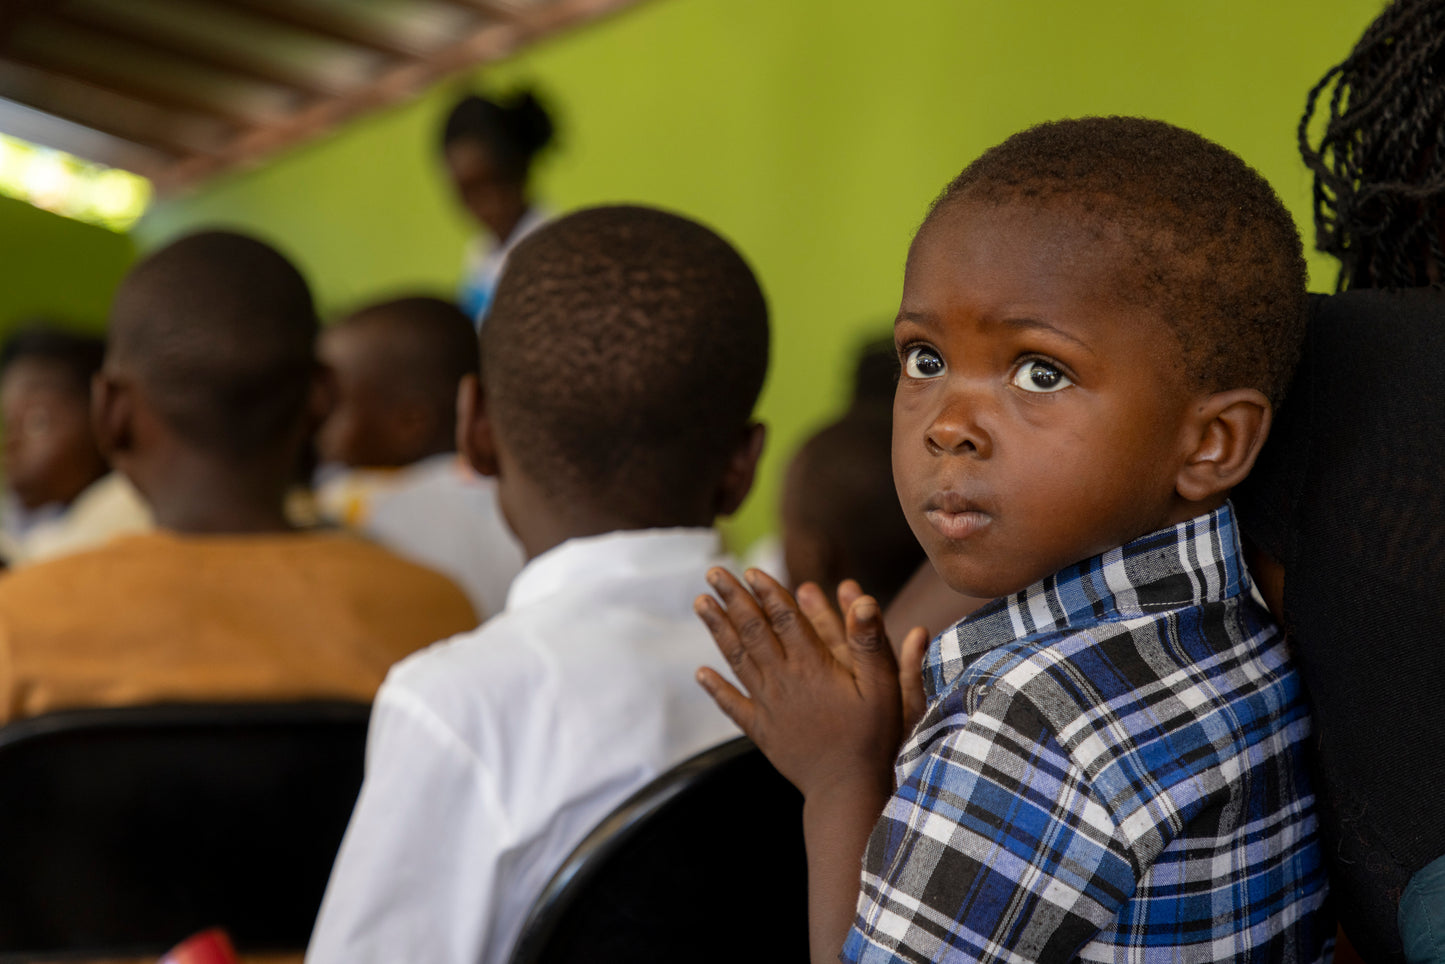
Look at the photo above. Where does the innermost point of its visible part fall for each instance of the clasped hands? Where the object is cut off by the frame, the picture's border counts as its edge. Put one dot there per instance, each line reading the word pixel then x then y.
pixel 827 702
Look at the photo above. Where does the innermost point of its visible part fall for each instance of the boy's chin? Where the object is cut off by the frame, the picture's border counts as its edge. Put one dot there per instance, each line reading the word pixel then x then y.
pixel 981 585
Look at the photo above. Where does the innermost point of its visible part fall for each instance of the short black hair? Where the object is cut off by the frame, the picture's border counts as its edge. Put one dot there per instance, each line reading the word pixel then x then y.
pixel 514 128
pixel 622 358
pixel 220 331
pixel 1379 193
pixel 1208 244
pixel 76 356
pixel 428 345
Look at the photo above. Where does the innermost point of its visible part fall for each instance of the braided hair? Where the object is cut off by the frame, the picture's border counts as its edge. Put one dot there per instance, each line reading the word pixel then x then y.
pixel 1379 193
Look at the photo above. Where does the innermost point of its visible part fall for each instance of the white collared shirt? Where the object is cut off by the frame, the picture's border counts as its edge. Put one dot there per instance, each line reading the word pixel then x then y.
pixel 492 754
pixel 437 512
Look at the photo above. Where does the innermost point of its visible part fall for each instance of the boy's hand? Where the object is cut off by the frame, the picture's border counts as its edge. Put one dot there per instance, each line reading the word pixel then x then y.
pixel 824 702
pixel 829 626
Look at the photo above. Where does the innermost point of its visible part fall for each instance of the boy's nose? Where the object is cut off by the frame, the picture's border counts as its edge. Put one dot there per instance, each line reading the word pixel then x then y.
pixel 958 428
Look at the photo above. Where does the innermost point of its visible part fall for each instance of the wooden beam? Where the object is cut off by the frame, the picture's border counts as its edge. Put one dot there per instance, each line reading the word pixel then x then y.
pixel 504 10
pixel 326 23
pixel 169 132
pixel 14 13
pixel 83 140
pixel 212 57
pixel 147 90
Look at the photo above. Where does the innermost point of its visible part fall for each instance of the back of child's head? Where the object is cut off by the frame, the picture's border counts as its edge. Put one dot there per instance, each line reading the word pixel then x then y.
pixel 219 331
pixel 841 515
pixel 513 129
pixel 622 358
pixel 1203 240
pixel 403 358
pixel 50 450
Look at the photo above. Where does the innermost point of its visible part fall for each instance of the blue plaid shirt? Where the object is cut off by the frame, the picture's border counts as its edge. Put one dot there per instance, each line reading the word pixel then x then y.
pixel 1110 769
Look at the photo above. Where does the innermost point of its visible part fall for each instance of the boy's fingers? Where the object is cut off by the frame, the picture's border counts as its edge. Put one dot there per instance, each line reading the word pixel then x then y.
pixel 910 676
pixel 827 623
pixel 788 624
pixel 849 592
pixel 734 704
pixel 873 660
pixel 727 641
pixel 750 627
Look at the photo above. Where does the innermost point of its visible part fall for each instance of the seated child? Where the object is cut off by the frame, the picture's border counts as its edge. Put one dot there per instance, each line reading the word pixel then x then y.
pixel 205 399
pixel 390 466
pixel 841 517
pixel 1098 318
pixel 61 496
pixel 620 364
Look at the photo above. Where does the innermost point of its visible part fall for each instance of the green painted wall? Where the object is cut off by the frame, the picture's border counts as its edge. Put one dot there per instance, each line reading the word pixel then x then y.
pixel 57 268
pixel 812 132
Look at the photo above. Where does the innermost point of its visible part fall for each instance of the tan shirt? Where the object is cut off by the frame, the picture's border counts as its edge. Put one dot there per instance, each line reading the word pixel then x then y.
pixel 165 617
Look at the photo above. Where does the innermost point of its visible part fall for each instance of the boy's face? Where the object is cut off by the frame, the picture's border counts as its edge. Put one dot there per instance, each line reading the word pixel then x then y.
pixel 1039 419
pixel 50 450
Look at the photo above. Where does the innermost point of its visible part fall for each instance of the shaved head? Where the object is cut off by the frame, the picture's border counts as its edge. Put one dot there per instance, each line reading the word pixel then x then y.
pixel 622 358
pixel 218 330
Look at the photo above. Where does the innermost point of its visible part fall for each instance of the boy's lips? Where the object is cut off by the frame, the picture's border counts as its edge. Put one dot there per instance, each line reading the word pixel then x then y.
pixel 955 517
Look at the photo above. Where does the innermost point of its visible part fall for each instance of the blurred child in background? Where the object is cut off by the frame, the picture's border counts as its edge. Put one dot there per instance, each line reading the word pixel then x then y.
pixel 488 145
pixel 390 465
pixel 60 495
pixel 209 390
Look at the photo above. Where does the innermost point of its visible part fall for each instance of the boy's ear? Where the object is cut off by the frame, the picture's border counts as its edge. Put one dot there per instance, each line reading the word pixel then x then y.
pixel 1228 431
pixel 737 479
pixel 475 439
pixel 112 416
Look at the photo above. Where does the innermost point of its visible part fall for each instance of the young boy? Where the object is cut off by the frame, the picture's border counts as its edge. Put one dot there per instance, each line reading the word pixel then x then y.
pixel 620 363
pixel 1098 317
pixel 61 495
pixel 390 465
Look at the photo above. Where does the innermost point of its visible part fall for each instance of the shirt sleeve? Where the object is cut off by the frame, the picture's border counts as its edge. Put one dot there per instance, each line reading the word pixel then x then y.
pixel 416 875
pixel 993 849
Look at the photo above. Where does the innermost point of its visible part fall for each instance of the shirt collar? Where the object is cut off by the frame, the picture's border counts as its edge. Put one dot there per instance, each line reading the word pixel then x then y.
pixel 610 556
pixel 1189 564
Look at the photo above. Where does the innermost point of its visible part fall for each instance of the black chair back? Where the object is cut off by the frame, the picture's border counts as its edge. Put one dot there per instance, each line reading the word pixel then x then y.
pixel 122 831
pixel 704 864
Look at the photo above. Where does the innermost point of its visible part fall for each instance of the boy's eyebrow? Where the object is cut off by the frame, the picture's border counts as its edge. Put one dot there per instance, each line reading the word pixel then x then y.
pixel 928 319
pixel 1036 324
pixel 925 318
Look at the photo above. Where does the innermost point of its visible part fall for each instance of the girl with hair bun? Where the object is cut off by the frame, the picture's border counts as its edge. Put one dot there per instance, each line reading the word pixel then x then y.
pixel 488 145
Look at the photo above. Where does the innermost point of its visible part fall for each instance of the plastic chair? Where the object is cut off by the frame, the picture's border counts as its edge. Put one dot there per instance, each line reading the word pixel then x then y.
pixel 124 830
pixel 706 863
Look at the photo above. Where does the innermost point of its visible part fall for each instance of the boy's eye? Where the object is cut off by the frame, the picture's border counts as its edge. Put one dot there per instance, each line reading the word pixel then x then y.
pixel 1040 377
pixel 922 363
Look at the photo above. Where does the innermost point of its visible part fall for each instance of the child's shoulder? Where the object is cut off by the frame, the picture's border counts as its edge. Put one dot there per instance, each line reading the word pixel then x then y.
pixel 1148 706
